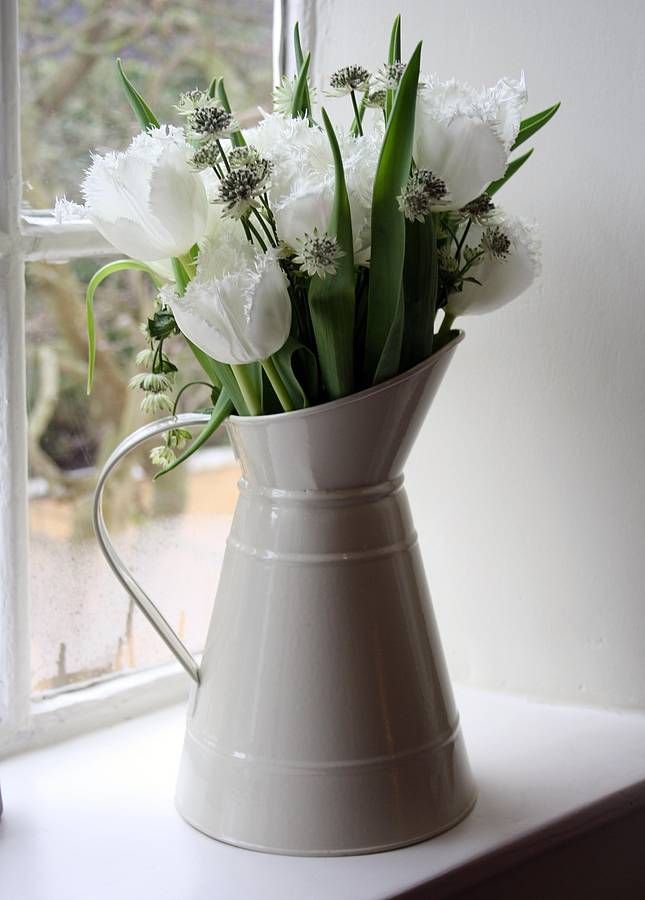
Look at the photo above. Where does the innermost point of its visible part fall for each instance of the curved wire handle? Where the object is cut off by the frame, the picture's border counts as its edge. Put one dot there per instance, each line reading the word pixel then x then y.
pixel 145 604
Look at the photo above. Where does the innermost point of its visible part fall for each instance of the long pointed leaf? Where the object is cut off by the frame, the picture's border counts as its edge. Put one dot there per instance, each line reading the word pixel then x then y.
pixel 118 265
pixel 300 395
pixel 388 227
pixel 297 47
pixel 222 409
pixel 420 280
pixel 394 54
pixel 145 116
pixel 528 127
pixel 237 138
pixel 301 90
pixel 511 169
pixel 331 299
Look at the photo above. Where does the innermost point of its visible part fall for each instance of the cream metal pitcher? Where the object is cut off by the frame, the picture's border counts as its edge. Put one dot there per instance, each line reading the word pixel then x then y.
pixel 321 719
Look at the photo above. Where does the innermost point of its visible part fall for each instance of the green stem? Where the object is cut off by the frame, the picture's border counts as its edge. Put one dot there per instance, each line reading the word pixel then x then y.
pixel 357 115
pixel 446 325
pixel 462 240
pixel 264 225
pixel 185 387
pixel 189 265
pixel 277 384
pixel 256 234
pixel 224 157
pixel 245 383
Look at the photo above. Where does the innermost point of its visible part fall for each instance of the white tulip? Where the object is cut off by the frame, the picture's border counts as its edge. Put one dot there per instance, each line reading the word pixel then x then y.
pixel 302 178
pixel 463 136
pixel 237 308
pixel 147 201
pixel 503 276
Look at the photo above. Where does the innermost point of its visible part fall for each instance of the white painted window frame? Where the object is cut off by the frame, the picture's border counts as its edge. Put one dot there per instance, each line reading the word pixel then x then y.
pixel 26 236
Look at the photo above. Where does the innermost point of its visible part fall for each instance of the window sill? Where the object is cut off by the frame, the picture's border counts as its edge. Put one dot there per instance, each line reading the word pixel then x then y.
pixel 94 817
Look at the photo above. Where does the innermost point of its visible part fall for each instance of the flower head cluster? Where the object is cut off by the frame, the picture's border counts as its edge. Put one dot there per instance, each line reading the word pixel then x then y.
pixel 480 210
pixel 211 121
pixel 388 76
pixel 240 188
pixel 243 156
pixel 318 254
pixel 206 156
pixel 496 242
pixel 348 79
pixel 164 455
pixel 422 193
pixel 284 92
pixel 375 99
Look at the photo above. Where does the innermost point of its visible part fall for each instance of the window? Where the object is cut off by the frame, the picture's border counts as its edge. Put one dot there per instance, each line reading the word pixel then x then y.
pixel 64 621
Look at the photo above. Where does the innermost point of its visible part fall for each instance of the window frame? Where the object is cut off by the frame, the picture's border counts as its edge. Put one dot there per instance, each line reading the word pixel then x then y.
pixel 28 235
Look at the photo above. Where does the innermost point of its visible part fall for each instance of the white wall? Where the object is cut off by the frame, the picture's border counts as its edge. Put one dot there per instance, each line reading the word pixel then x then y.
pixel 528 483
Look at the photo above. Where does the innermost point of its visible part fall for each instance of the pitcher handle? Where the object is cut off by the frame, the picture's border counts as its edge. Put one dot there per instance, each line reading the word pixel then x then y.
pixel 145 604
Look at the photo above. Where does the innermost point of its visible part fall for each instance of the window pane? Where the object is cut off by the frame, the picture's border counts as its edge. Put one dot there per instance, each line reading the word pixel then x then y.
pixel 72 101
pixel 171 533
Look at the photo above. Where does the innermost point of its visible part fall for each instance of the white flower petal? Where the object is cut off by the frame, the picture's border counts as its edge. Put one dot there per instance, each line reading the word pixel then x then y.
pixel 464 152
pixel 502 280
pixel 240 318
pixel 147 201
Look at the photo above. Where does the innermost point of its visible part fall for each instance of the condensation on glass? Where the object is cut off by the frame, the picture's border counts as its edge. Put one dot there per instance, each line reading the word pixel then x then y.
pixel 171 533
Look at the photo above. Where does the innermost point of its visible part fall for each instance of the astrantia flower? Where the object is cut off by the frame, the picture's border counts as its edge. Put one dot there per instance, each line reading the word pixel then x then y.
pixel 145 358
pixel 162 456
pixel 464 135
pixel 153 404
pixel 243 156
pixel 496 242
pixel 146 201
pixel 318 254
pixel 211 122
pixel 388 76
pixel 347 79
pixel 237 308
pixel 423 192
pixel 481 210
pixel 283 94
pixel 375 99
pixel 152 382
pixel 192 100
pixel 206 156
pixel 177 437
pixel 508 266
pixel 241 187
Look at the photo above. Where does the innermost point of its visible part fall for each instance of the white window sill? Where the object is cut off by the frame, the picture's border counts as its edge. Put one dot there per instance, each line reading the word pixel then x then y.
pixel 94 817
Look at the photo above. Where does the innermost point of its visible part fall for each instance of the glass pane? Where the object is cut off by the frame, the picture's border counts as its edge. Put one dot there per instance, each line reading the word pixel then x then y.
pixel 72 101
pixel 171 533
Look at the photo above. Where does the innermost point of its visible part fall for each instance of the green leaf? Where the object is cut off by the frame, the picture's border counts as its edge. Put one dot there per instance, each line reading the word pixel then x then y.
pixel 145 116
pixel 331 299
pixel 420 282
pixel 301 91
pixel 221 411
pixel 299 64
pixel 388 230
pixel 237 138
pixel 221 374
pixel 291 352
pixel 118 266
pixel 529 126
pixel 511 169
pixel 394 54
pixel 212 87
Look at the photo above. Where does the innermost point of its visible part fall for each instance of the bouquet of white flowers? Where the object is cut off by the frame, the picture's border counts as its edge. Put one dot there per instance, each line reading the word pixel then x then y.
pixel 302 262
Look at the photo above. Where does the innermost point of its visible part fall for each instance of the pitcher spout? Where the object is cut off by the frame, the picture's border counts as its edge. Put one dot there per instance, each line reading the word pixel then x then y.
pixel 357 441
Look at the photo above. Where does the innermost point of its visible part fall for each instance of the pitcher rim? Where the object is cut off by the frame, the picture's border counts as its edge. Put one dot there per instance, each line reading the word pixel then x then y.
pixel 352 398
